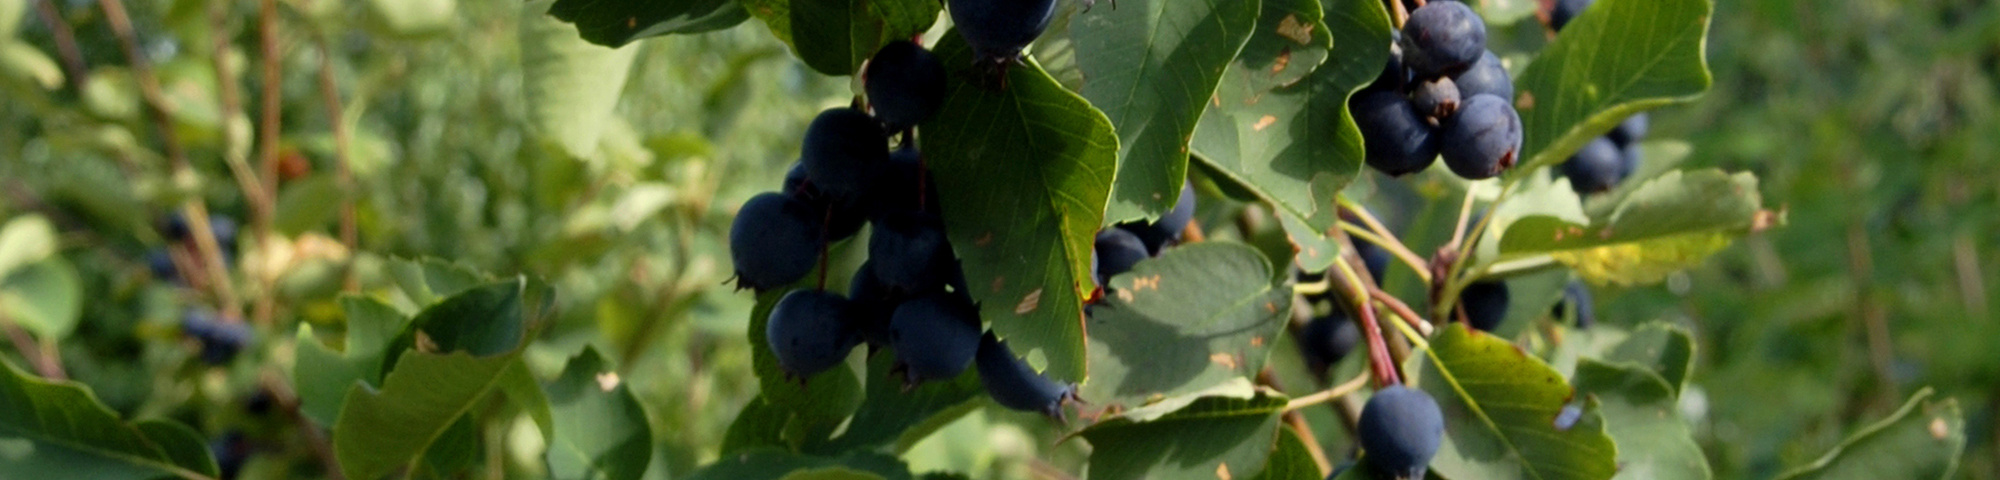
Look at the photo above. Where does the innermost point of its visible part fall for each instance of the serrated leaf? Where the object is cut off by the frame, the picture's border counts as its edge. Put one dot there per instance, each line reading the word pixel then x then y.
pixel 1666 224
pixel 23 240
pixel 487 320
pixel 1923 439
pixel 44 297
pixel 1195 317
pixel 1023 174
pixel 1639 413
pixel 62 427
pixel 617 22
pixel 427 280
pixel 811 407
pixel 323 376
pixel 834 37
pixel 1290 460
pixel 1500 413
pixel 379 432
pixel 572 85
pixel 1665 348
pixel 1617 58
pixel 890 416
pixel 772 464
pixel 1211 437
pixel 1295 143
pixel 601 431
pixel 1151 66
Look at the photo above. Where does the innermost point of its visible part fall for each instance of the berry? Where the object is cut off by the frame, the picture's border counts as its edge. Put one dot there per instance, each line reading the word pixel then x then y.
pixel 1394 74
pixel 1397 140
pixel 1630 131
pixel 998 29
pixel 231 451
pixel 844 150
pixel 1167 230
pixel 220 340
pixel 1400 430
pixel 1485 304
pixel 1327 339
pixel 935 336
pixel 1117 250
pixel 808 332
pixel 1442 37
pixel 1564 11
pixel 845 221
pixel 1483 138
pixel 1435 98
pixel 905 84
pixel 1013 384
pixel 1628 161
pixel 1586 309
pixel 774 241
pixel 1595 168
pixel 1487 76
pixel 872 302
pixel 161 264
pixel 910 252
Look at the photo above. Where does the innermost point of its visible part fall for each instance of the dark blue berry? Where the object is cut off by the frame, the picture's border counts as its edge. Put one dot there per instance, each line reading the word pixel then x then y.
pixel 1630 131
pixel 905 84
pixel 1015 385
pixel 1117 250
pixel 1441 38
pixel 935 336
pixel 999 29
pixel 1486 76
pixel 774 241
pixel 910 252
pixel 1435 98
pixel 1597 167
pixel 1564 11
pixel 808 332
pixel 1485 304
pixel 1396 139
pixel 1327 339
pixel 1483 138
pixel 1400 429
pixel 844 150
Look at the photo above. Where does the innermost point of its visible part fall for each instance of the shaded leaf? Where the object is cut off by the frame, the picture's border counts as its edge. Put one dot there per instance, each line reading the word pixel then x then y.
pixel 1210 437
pixel 1151 66
pixel 427 280
pixel 487 320
pixel 890 416
pixel 573 85
pixel 323 376
pixel 1923 439
pixel 1024 173
pixel 1639 413
pixel 1617 58
pixel 64 428
pixel 834 37
pixel 770 464
pixel 1290 460
pixel 1197 316
pixel 379 432
pixel 601 430
pixel 1500 409
pixel 1665 348
pixel 44 297
pixel 617 22
pixel 810 408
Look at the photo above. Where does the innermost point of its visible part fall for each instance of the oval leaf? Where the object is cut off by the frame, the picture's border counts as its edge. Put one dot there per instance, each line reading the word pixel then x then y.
pixel 1500 412
pixel 1921 440
pixel 834 37
pixel 1616 59
pixel 1235 439
pixel 1195 317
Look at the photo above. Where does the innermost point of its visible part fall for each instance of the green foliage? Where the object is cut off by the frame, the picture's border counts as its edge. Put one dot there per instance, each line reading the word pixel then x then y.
pixel 66 429
pixel 1923 439
pixel 1501 408
pixel 600 428
pixel 1231 433
pixel 1618 58
pixel 1198 316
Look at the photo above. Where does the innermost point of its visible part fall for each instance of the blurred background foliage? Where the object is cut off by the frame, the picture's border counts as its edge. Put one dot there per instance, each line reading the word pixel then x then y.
pixel 1872 123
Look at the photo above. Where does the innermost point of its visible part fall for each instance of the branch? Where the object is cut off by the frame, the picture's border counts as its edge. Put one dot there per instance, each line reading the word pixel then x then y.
pixel 72 58
pixel 44 356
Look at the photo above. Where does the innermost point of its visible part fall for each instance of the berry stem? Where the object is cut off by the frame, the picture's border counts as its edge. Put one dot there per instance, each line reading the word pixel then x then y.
pixel 1380 236
pixel 1402 310
pixel 1328 395
pixel 1380 362
pixel 1397 14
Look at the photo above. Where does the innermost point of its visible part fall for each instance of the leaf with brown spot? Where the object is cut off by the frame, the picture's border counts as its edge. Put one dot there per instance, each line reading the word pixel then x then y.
pixel 1189 320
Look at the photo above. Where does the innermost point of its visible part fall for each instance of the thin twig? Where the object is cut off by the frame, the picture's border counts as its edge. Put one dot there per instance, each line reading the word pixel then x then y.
pixel 1396 248
pixel 1398 14
pixel 47 361
pixel 1380 362
pixel 232 103
pixel 1323 396
pixel 1401 309
pixel 72 58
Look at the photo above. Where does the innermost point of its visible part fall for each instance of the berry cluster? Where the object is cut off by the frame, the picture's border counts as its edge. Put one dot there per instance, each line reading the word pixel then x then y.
pixel 910 295
pixel 1442 92
pixel 1120 247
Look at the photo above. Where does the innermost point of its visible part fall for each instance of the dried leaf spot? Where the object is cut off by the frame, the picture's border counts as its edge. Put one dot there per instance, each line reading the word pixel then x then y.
pixel 1939 429
pixel 631 22
pixel 1296 31
pixel 1149 282
pixel 607 381
pixel 1125 296
pixel 1270 307
pixel 984 240
pixel 1222 471
pixel 1029 303
pixel 1526 102
pixel 1223 359
pixel 425 344
pixel 1284 60
pixel 1263 122
pixel 995 285
pixel 1257 341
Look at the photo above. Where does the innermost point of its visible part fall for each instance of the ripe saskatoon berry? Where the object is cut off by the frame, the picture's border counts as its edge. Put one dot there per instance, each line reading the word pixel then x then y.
pixel 161 264
pixel 1596 167
pixel 1578 295
pixel 1435 98
pixel 1485 304
pixel 1487 76
pixel 808 332
pixel 1483 138
pixel 1564 11
pixel 896 190
pixel 998 29
pixel 1394 74
pixel 935 336
pixel 910 252
pixel 1117 250
pixel 844 150
pixel 1167 230
pixel 1400 430
pixel 905 84
pixel 1397 141
pixel 1630 131
pixel 1442 38
pixel 1013 384
pixel 842 221
pixel 220 340
pixel 775 240
pixel 1327 339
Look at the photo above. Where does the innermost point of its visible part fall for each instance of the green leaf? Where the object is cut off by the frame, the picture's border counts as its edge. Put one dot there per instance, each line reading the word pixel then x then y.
pixel 23 240
pixel 1024 173
pixel 1290 460
pixel 1617 58
pixel 760 424
pixel 1668 223
pixel 1665 348
pixel 888 415
pixel 454 451
pixel 66 429
pixel 23 62
pixel 1195 317
pixel 1500 408
pixel 1503 12
pixel 1293 141
pixel 1639 413
pixel 308 204
pixel 182 444
pixel 378 432
pixel 323 376
pixel 834 37
pixel 571 85
pixel 10 16
pixel 411 17
pixel 617 22
pixel 811 408
pixel 487 320
pixel 1921 440
pixel 1211 437
pixel 601 430
pixel 771 464
pixel 44 297
pixel 1152 66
